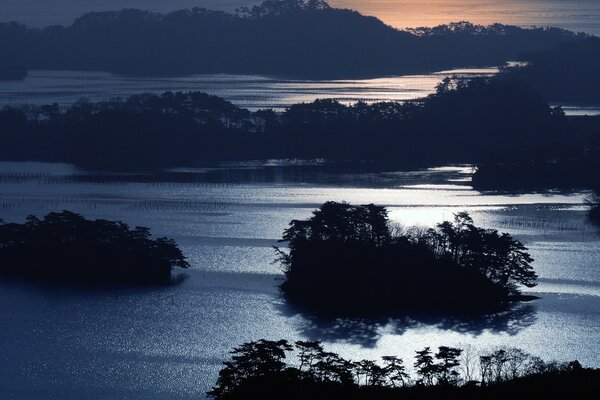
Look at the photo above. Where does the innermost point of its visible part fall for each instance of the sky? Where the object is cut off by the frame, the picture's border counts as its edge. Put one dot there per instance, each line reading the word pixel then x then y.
pixel 578 15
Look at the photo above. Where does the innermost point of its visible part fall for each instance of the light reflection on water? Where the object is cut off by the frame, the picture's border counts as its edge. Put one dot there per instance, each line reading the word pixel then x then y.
pixel 169 342
pixel 247 91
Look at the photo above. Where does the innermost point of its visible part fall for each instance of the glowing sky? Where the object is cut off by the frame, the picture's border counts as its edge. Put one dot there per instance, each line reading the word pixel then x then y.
pixel 578 15
pixel 571 14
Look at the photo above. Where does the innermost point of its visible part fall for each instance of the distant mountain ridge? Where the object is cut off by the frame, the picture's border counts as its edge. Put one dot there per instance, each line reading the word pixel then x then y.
pixel 290 38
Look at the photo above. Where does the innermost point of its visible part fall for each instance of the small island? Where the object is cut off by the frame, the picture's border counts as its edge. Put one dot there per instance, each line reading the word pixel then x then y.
pixel 348 260
pixel 65 247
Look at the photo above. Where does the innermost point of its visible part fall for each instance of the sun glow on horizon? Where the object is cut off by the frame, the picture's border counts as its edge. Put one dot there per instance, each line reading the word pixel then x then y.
pixel 574 15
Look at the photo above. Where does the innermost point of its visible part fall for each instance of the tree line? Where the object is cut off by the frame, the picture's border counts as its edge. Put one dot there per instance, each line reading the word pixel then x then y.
pixel 464 122
pixel 263 366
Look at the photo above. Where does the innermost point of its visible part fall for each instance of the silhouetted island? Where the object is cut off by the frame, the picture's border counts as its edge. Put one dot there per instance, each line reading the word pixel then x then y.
pixel 347 260
pixel 262 369
pixel 464 122
pixel 292 38
pixel 65 247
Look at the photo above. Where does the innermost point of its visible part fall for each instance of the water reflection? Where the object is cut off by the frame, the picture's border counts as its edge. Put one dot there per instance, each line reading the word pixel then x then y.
pixel 366 332
pixel 170 342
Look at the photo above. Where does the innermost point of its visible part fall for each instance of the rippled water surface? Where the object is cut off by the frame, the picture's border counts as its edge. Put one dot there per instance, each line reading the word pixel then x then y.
pixel 248 91
pixel 169 342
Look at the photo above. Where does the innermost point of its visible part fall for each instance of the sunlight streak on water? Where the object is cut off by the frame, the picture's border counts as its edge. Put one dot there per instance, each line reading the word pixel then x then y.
pixel 247 91
pixel 169 342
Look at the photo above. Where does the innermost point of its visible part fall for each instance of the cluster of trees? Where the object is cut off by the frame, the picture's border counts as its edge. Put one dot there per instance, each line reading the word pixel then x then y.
pixel 66 247
pixel 278 7
pixel 261 367
pixel 463 122
pixel 142 131
pixel 204 109
pixel 347 259
pixel 259 40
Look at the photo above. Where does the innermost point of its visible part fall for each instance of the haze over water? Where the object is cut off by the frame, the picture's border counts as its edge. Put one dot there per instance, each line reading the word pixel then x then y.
pixel 577 15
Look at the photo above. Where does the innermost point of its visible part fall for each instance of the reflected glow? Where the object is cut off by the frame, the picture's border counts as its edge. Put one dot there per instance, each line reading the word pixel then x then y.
pixel 581 110
pixel 170 342
pixel 248 91
pixel 428 217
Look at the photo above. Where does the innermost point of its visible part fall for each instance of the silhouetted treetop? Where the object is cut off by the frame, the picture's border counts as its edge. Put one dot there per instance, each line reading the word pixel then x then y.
pixel 66 247
pixel 262 368
pixel 279 7
pixel 342 222
pixel 468 28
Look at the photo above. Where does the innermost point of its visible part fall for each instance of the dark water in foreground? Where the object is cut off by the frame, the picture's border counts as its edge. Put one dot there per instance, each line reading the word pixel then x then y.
pixel 169 342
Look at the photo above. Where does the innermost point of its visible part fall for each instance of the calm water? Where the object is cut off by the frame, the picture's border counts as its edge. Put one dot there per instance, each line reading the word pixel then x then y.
pixel 169 342
pixel 248 91
pixel 577 15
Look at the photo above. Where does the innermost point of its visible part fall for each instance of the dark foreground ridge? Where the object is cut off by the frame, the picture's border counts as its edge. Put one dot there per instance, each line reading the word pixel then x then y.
pixel 66 247
pixel 292 38
pixel 347 260
pixel 261 370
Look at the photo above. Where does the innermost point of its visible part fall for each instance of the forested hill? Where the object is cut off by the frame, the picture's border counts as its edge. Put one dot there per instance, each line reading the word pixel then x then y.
pixel 463 122
pixel 294 38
